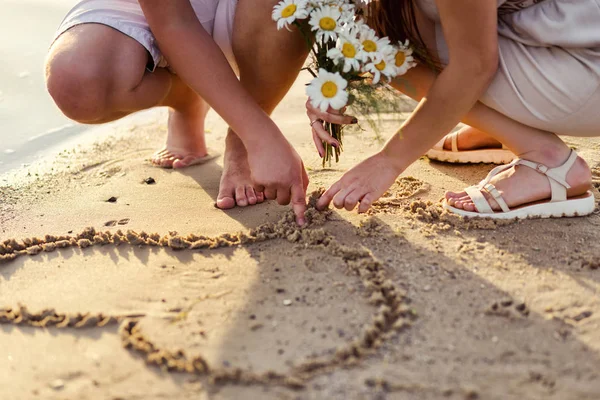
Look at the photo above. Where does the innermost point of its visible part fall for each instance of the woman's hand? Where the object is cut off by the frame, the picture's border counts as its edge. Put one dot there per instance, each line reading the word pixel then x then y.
pixel 363 184
pixel 320 135
pixel 278 171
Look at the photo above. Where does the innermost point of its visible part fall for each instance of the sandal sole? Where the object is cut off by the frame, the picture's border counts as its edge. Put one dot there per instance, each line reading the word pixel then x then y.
pixel 499 156
pixel 577 207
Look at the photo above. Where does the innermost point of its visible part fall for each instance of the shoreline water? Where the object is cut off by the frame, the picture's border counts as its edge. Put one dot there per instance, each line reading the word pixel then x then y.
pixel 30 123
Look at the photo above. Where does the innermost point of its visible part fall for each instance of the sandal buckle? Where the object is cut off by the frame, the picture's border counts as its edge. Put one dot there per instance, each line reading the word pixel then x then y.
pixel 541 168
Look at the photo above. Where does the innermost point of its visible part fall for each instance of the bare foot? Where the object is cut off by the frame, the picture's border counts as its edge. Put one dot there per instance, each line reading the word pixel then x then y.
pixel 470 138
pixel 521 185
pixel 185 140
pixel 236 184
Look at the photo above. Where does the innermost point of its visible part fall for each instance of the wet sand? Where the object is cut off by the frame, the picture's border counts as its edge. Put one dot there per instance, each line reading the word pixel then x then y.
pixel 116 288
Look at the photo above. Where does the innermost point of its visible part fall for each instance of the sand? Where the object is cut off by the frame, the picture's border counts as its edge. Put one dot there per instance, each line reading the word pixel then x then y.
pixel 115 288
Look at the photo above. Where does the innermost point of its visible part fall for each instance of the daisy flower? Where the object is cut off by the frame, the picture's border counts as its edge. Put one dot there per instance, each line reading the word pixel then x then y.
pixel 403 59
pixel 372 45
pixel 328 90
pixel 288 11
pixel 347 10
pixel 381 65
pixel 326 21
pixel 349 51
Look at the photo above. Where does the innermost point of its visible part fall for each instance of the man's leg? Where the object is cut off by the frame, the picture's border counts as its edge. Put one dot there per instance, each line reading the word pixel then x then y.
pixel 255 42
pixel 97 74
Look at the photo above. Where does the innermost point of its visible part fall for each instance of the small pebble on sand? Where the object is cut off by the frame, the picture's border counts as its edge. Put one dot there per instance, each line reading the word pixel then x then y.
pixel 149 181
pixel 287 302
pixel 57 384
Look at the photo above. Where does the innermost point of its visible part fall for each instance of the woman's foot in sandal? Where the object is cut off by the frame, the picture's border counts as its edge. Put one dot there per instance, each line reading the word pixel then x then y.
pixel 470 145
pixel 527 183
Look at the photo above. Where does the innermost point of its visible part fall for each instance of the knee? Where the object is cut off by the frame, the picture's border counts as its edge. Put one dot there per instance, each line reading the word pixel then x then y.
pixel 79 90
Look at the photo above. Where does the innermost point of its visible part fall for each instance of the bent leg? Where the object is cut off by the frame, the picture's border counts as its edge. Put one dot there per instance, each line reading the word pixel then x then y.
pixel 255 41
pixel 518 185
pixel 96 74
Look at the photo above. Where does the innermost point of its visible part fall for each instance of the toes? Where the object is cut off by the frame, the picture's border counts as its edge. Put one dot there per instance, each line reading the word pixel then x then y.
pixel 240 196
pixel 184 162
pixel 454 195
pixel 260 197
pixel 225 199
pixel 466 204
pixel 163 159
pixel 250 195
pixel 469 206
pixel 461 201
pixel 226 203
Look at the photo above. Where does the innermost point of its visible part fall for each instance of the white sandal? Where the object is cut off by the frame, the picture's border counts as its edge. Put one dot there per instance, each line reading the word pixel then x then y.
pixel 485 156
pixel 557 206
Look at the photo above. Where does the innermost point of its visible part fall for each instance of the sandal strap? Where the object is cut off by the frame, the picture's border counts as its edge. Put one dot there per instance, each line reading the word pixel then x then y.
pixel 454 139
pixel 479 200
pixel 496 171
pixel 491 189
pixel 556 176
pixel 440 144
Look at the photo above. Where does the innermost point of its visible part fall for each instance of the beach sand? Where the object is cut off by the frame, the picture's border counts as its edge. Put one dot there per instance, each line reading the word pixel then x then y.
pixel 197 303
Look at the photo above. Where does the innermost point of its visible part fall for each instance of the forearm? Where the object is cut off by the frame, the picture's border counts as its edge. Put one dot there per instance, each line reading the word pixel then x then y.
pixel 445 101
pixel 199 62
pixel 416 84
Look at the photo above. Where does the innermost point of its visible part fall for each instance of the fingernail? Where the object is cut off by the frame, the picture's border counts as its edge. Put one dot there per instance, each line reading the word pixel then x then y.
pixel 335 145
pixel 354 121
pixel 301 222
pixel 321 153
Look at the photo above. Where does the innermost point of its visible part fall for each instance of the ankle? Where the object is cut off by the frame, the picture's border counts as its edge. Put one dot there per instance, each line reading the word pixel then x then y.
pixel 233 143
pixel 552 155
pixel 192 107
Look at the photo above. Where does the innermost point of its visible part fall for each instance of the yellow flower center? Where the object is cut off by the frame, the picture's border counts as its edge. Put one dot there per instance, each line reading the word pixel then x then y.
pixel 348 50
pixel 380 66
pixel 327 23
pixel 329 89
pixel 369 46
pixel 400 58
pixel 288 11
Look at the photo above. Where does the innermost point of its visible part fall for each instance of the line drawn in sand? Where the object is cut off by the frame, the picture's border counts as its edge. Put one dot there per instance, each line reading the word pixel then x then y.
pixel 392 315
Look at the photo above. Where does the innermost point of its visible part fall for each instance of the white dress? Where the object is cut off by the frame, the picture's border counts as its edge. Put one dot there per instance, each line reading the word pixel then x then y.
pixel 549 72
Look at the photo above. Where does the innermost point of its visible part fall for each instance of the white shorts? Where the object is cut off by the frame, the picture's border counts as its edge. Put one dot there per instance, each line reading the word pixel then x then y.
pixel 126 16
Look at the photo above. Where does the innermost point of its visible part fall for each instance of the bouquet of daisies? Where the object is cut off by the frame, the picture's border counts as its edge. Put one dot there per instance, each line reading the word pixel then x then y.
pixel 347 54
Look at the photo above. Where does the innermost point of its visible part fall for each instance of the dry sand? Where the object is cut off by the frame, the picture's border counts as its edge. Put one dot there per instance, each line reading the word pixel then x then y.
pixel 157 294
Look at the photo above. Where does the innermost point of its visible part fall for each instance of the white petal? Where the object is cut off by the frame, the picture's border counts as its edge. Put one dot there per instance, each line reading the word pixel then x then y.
pixel 324 106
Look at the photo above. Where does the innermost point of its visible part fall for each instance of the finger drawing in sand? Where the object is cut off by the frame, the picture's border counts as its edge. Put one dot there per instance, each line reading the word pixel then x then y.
pixel 110 59
pixel 495 66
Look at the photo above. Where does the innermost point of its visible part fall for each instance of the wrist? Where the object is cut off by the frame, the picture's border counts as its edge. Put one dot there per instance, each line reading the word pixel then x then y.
pixel 392 151
pixel 255 134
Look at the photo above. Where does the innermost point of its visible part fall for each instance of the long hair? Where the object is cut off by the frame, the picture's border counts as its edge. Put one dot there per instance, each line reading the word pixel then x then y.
pixel 396 19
